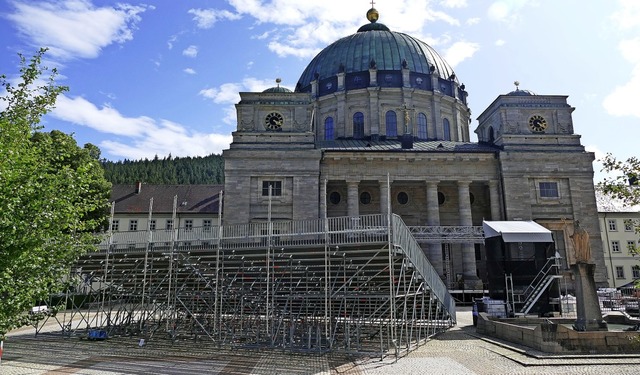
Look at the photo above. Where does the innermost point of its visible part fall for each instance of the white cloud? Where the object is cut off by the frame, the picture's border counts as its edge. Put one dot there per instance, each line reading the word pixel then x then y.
pixel 189 71
pixel 454 3
pixel 473 21
pixel 228 93
pixel 460 51
pixel 622 101
pixel 143 136
pixel 75 28
pixel 500 43
pixel 308 26
pixel 628 16
pixel 206 18
pixel 506 10
pixel 191 51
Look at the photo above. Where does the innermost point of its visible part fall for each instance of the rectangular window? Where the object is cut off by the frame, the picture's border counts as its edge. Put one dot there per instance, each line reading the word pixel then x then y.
pixel 612 224
pixel 152 224
pixel 631 245
pixel 188 224
pixel 628 226
pixel 276 188
pixel 549 190
pixel 206 225
pixel 169 224
pixel 619 272
pixel 635 270
pixel 615 246
pixel 133 224
pixel 115 225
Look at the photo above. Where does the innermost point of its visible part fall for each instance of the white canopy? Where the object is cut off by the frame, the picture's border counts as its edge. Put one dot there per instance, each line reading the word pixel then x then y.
pixel 517 231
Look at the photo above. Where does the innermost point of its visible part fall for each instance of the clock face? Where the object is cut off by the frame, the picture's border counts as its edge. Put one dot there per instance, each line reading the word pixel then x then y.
pixel 273 121
pixel 537 123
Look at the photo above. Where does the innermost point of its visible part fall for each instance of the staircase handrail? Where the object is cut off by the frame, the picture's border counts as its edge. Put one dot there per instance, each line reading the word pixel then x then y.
pixel 403 239
pixel 551 263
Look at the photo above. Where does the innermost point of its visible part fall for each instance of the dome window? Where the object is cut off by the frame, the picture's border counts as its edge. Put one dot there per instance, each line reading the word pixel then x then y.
pixel 358 125
pixel 441 198
pixel 446 129
pixel 391 122
pixel 328 129
pixel 422 126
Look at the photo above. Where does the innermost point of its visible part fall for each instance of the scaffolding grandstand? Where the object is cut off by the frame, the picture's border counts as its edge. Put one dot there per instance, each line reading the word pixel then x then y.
pixel 343 284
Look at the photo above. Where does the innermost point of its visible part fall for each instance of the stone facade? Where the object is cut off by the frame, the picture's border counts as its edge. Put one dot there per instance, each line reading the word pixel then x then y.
pixel 403 143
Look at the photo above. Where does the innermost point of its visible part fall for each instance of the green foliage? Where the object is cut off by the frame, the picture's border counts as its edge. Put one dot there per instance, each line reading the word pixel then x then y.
pixel 624 185
pixel 187 170
pixel 53 196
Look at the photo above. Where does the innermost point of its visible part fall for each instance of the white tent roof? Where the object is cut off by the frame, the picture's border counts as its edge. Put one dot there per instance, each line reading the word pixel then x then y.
pixel 517 231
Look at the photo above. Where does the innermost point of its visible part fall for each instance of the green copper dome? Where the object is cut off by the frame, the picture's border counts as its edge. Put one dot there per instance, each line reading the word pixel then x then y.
pixel 375 46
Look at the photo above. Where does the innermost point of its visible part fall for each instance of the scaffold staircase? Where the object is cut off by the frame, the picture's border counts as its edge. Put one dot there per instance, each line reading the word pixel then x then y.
pixel 352 285
pixel 534 291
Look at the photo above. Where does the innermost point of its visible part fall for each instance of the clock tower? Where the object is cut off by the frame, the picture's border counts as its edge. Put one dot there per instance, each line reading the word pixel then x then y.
pixel 271 167
pixel 546 173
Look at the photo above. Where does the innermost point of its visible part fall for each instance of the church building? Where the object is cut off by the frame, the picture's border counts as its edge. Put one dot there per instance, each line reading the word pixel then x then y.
pixel 378 123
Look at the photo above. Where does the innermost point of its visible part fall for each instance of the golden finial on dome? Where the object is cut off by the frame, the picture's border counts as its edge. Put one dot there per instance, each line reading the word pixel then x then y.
pixel 372 14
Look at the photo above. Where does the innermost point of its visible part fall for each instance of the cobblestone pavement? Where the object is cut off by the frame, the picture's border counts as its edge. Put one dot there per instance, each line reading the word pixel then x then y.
pixel 458 351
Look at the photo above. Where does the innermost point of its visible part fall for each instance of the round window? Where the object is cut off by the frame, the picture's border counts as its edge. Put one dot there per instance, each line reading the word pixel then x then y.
pixel 365 198
pixel 471 198
pixel 334 197
pixel 403 198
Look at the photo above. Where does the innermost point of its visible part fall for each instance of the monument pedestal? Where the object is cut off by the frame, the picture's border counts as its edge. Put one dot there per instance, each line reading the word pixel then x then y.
pixel 587 305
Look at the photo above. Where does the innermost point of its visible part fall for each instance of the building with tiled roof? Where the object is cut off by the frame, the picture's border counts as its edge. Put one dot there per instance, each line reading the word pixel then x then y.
pixel 620 241
pixel 178 212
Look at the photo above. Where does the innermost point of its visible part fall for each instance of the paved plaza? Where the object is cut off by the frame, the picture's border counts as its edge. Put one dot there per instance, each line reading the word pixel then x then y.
pixel 458 351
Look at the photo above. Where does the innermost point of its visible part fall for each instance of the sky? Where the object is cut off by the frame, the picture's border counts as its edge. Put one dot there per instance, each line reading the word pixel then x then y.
pixel 162 77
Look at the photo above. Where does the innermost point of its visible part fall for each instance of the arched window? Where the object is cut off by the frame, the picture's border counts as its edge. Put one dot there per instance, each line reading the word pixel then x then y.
pixel 446 129
pixel 328 129
pixel 491 135
pixel 391 120
pixel 358 125
pixel 422 126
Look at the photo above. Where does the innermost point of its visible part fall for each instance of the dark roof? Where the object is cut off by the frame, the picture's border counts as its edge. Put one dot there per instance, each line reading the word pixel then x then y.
pixel 396 145
pixel 518 92
pixel 277 89
pixel 203 199
pixel 374 43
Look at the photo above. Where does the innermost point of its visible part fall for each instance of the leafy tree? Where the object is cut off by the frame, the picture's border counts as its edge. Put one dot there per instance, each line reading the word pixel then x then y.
pixel 53 196
pixel 624 185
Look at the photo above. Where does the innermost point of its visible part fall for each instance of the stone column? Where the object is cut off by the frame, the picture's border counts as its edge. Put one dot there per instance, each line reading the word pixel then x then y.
pixel 353 201
pixel 589 316
pixel 384 197
pixel 468 250
pixel 433 219
pixel 494 196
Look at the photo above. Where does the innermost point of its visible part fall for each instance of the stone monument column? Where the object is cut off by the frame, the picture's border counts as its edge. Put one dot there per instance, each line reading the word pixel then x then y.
pixel 589 316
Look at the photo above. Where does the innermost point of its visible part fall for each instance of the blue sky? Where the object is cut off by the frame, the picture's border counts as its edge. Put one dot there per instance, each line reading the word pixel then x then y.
pixel 159 77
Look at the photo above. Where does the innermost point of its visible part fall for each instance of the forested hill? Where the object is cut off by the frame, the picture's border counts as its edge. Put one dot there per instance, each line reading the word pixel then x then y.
pixel 185 170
